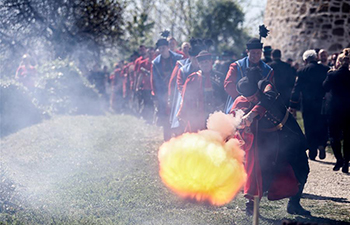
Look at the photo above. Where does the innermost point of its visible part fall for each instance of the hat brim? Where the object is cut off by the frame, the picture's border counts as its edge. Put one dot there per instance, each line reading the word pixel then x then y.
pixel 254 46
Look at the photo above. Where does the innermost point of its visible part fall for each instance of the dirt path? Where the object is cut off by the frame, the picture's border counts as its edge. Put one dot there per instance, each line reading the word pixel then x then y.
pixel 326 184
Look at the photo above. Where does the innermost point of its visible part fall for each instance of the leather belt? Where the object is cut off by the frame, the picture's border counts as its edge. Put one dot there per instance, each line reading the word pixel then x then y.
pixel 279 126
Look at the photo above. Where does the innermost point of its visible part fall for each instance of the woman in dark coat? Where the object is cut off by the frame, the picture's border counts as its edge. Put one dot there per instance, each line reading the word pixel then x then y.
pixel 338 83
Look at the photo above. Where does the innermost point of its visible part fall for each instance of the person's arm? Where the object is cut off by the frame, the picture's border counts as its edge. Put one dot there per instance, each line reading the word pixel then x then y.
pixel 153 71
pixel 231 81
pixel 295 95
pixel 327 83
pixel 189 96
pixel 173 79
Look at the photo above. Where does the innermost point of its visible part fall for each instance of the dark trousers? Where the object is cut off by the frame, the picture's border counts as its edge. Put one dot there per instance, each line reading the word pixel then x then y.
pixel 315 126
pixel 162 115
pixel 339 127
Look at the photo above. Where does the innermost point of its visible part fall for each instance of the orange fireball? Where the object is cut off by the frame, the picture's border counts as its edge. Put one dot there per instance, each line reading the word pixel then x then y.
pixel 203 167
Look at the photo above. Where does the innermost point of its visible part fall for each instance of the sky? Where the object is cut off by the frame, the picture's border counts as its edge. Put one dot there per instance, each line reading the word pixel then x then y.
pixel 253 10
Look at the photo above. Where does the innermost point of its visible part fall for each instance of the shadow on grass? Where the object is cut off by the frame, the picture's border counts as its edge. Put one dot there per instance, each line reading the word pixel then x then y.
pixel 320 220
pixel 318 197
pixel 310 220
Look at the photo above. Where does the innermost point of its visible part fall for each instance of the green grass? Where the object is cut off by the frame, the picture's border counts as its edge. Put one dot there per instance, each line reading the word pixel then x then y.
pixel 104 170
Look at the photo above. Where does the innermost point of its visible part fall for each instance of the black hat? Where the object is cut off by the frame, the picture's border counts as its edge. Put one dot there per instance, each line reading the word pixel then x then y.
pixel 254 43
pixel 203 55
pixel 267 48
pixel 196 46
pixel 161 42
pixel 246 87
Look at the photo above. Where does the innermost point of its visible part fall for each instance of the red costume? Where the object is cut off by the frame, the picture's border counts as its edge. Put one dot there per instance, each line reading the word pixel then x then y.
pixel 144 71
pixel 201 96
pixel 26 75
pixel 275 149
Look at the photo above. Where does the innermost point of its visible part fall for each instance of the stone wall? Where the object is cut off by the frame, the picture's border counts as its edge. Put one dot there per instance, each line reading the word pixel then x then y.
pixel 298 25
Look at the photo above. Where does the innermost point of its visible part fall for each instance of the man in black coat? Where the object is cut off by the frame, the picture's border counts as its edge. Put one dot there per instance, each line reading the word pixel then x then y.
pixel 308 86
pixel 284 76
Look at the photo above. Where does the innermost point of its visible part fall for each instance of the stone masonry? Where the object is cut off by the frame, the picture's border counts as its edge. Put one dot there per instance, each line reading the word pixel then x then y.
pixel 298 25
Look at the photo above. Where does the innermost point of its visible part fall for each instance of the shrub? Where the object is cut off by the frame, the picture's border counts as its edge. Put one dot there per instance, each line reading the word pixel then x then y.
pixel 17 108
pixel 62 89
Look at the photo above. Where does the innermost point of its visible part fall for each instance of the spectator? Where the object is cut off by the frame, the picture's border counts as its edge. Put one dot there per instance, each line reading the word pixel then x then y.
pixel 290 61
pixel 338 83
pixel 323 57
pixel 333 60
pixel 308 87
pixel 267 54
pixel 284 76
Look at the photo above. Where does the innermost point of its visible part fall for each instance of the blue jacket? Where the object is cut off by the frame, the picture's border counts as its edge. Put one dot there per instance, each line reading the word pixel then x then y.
pixel 242 66
pixel 160 81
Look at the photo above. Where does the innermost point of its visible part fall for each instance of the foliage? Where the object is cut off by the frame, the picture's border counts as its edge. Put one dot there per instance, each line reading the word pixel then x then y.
pixel 62 89
pixel 220 21
pixel 138 26
pixel 17 110
pixel 59 28
pixel 139 31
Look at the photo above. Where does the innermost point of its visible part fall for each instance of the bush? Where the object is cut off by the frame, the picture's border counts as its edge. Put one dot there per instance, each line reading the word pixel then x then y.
pixel 62 89
pixel 17 108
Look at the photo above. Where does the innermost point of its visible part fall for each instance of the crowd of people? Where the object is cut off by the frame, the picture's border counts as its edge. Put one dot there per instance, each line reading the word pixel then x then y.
pixel 179 88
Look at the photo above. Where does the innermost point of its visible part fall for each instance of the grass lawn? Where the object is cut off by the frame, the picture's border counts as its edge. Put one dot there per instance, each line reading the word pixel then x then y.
pixel 104 170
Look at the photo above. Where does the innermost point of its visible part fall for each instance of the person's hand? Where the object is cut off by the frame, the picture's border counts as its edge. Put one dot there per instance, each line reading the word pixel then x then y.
pixel 247 119
pixel 293 111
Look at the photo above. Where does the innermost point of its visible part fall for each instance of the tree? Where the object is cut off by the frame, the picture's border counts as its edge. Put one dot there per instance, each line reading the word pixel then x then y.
pixel 222 22
pixel 61 27
pixel 139 29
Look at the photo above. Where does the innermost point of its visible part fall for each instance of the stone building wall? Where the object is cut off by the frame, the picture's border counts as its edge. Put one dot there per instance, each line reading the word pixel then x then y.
pixel 298 25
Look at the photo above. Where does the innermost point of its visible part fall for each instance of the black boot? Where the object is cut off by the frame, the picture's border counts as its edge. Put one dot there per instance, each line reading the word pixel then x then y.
pixel 336 147
pixel 294 206
pixel 345 168
pixel 312 154
pixel 338 165
pixel 249 207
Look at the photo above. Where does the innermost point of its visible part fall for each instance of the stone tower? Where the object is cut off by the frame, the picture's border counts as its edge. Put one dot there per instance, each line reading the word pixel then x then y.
pixel 298 25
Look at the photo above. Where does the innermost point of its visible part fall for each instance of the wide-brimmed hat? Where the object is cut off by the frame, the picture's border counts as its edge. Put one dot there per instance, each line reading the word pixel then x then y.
pixel 203 55
pixel 248 85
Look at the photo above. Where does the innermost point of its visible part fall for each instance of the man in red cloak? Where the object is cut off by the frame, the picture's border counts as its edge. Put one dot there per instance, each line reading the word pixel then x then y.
pixel 275 146
pixel 202 94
